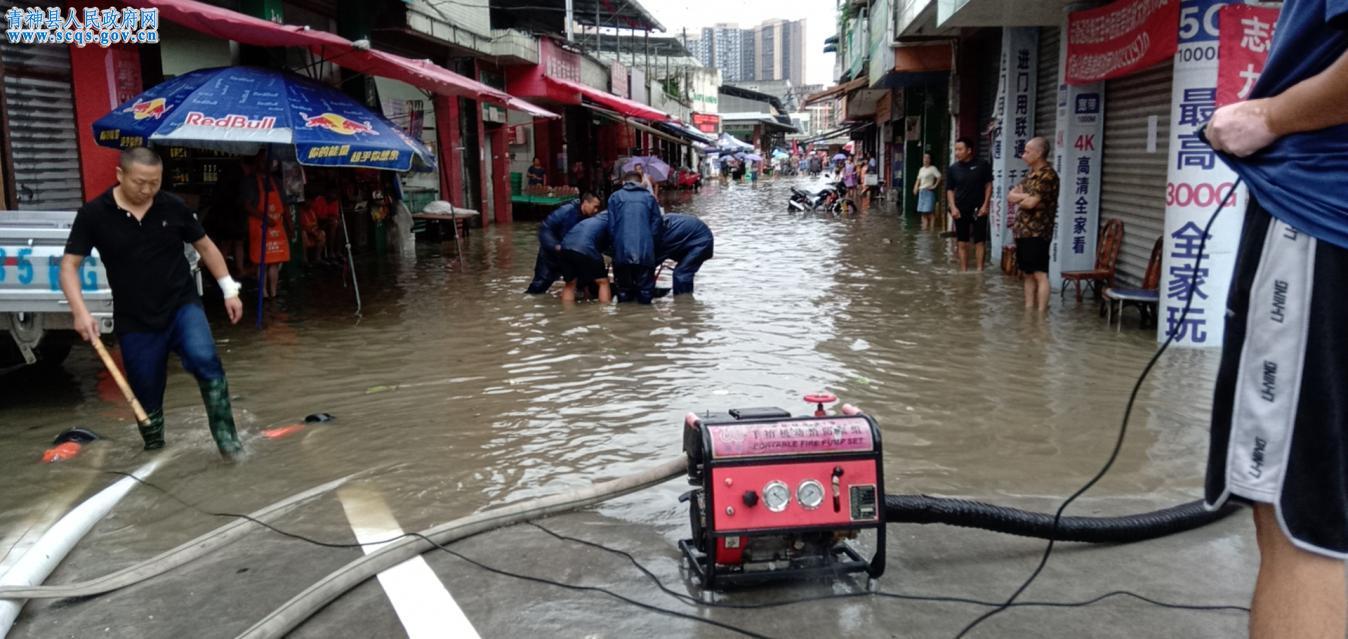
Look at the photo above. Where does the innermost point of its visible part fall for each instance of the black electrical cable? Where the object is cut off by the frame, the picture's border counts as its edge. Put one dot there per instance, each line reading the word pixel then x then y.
pixel 880 593
pixel 491 569
pixel 1123 427
pixel 682 597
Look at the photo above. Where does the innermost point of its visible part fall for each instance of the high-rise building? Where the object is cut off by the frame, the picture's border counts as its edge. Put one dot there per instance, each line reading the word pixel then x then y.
pixel 781 51
pixel 774 50
pixel 748 57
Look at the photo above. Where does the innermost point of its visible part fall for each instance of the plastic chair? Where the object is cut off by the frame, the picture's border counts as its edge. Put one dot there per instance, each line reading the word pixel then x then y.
pixel 1106 258
pixel 1146 298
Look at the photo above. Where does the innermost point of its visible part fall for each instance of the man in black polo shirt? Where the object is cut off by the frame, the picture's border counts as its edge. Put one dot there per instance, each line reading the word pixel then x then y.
pixel 139 233
pixel 969 192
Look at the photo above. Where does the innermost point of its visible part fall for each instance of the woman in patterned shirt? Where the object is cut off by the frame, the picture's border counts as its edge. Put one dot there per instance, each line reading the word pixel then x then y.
pixel 1037 199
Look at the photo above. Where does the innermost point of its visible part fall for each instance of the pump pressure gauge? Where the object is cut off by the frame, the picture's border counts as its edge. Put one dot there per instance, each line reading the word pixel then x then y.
pixel 810 494
pixel 776 496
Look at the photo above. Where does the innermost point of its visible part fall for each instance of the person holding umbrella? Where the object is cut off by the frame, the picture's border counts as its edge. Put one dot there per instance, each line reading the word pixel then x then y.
pixel 139 232
pixel 645 179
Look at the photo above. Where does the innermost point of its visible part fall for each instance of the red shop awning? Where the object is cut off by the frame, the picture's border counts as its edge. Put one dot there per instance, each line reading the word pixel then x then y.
pixel 232 25
pixel 534 84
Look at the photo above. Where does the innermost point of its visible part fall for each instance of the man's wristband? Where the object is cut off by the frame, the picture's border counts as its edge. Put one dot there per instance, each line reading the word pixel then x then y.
pixel 228 287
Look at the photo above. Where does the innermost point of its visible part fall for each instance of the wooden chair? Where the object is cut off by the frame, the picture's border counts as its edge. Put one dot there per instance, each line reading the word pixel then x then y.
pixel 1106 257
pixel 1146 298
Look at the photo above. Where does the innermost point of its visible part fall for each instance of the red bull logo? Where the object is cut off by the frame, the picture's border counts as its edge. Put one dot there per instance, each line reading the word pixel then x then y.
pixel 231 121
pixel 338 124
pixel 142 109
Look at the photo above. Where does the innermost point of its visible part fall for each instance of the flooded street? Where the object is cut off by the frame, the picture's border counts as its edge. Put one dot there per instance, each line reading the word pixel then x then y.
pixel 463 393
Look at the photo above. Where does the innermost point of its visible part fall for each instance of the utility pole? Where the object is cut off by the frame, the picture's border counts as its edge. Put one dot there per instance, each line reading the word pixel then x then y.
pixel 570 20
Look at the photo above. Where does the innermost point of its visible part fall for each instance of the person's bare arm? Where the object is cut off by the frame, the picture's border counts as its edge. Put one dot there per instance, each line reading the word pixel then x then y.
pixel 215 264
pixel 950 201
pixel 987 199
pixel 85 324
pixel 1318 102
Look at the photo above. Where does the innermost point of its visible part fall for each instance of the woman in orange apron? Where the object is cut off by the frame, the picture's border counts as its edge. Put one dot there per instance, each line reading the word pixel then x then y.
pixel 278 244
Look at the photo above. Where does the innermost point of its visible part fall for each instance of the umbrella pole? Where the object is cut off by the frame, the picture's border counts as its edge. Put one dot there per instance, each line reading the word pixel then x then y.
pixel 262 253
pixel 350 262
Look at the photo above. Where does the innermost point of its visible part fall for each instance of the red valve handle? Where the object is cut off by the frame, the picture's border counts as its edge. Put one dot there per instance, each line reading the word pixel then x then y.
pixel 819 399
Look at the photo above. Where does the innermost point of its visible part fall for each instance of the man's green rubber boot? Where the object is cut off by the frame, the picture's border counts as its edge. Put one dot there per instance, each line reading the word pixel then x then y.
pixel 215 394
pixel 152 431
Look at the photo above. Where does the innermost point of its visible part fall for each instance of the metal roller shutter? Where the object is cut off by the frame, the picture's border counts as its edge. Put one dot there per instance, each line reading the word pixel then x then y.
pixel 1133 180
pixel 40 108
pixel 1046 94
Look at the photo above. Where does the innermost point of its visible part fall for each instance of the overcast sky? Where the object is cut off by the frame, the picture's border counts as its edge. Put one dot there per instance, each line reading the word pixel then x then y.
pixel 820 22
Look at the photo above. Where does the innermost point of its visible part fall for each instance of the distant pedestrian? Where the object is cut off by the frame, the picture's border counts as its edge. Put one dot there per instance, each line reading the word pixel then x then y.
pixel 537 175
pixel 260 197
pixel 849 179
pixel 634 224
pixel 968 194
pixel 1036 198
pixel 924 188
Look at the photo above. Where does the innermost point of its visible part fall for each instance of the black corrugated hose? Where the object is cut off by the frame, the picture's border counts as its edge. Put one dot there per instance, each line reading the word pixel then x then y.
pixel 923 509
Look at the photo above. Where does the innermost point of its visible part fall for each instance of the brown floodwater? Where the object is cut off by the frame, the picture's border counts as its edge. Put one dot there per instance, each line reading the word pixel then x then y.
pixel 465 393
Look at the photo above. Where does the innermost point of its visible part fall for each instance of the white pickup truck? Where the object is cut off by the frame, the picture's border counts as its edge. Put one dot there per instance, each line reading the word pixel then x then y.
pixel 35 322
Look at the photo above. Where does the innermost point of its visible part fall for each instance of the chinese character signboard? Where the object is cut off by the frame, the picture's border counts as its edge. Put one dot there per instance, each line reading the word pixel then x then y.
pixel 617 79
pixel 1078 144
pixel 1120 38
pixel 557 62
pixel 1246 36
pixel 1196 184
pixel 1015 127
pixel 707 122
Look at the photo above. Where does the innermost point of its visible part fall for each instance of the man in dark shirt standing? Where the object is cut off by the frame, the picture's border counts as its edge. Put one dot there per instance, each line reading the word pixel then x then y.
pixel 139 232
pixel 968 192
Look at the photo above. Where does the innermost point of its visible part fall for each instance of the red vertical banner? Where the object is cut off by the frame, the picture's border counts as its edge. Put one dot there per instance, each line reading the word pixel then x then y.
pixel 1245 38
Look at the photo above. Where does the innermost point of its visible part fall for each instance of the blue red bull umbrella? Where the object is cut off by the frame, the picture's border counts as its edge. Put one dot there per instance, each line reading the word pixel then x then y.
pixel 241 110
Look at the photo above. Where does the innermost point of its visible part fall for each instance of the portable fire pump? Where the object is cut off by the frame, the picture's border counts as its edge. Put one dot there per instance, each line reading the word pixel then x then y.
pixel 780 497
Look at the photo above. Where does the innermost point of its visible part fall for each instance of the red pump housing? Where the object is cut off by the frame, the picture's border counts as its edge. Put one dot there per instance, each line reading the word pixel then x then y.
pixel 778 496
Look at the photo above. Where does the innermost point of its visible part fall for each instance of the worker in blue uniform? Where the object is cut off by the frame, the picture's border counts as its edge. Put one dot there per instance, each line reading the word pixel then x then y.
pixel 688 241
pixel 634 224
pixel 582 259
pixel 547 268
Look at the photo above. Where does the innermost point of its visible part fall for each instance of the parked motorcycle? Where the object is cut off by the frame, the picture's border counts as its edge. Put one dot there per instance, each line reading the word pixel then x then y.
pixel 832 199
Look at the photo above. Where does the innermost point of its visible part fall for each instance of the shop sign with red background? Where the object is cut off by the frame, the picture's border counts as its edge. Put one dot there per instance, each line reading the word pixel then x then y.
pixel 1246 35
pixel 707 122
pixel 1120 38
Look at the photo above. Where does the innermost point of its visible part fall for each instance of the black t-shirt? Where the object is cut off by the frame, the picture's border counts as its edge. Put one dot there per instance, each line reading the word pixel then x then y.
pixel 146 262
pixel 968 180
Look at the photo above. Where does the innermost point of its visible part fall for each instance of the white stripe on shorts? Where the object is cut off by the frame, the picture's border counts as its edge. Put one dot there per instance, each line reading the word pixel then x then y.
pixel 1268 381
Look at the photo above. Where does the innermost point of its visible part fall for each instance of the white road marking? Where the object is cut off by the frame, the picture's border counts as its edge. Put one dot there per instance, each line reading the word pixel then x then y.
pixel 420 599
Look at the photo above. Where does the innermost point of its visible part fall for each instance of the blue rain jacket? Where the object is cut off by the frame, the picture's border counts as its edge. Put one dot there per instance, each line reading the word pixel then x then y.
pixel 589 237
pixel 688 241
pixel 556 225
pixel 634 224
